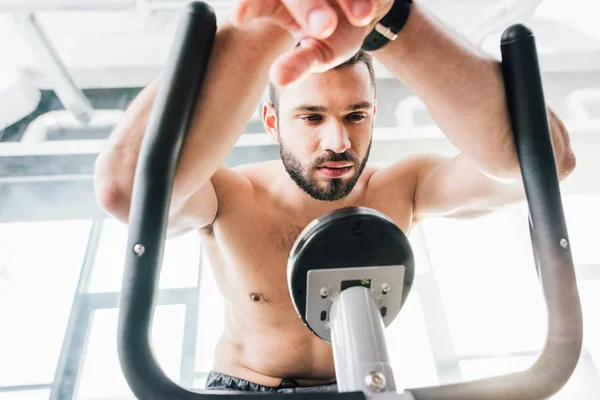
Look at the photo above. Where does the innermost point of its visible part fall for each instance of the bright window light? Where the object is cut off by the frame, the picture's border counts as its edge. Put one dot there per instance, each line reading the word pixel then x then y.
pixel 40 264
pixel 583 219
pixel 179 268
pixel 210 318
pixel 409 348
pixel 101 375
pixel 26 395
pixel 488 284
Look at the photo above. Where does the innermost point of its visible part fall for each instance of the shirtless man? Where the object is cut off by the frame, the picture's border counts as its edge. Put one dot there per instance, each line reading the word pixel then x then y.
pixel 249 216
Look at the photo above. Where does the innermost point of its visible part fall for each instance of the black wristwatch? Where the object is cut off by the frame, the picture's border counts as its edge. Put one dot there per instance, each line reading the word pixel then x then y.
pixel 389 26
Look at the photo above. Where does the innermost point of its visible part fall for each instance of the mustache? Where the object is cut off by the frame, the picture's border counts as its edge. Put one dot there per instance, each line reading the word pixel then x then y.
pixel 336 157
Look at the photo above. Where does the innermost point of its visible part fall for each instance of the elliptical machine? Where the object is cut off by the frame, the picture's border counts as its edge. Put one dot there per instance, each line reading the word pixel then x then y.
pixel 350 271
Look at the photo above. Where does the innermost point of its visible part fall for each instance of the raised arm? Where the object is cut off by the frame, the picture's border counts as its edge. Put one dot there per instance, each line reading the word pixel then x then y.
pixel 236 77
pixel 463 89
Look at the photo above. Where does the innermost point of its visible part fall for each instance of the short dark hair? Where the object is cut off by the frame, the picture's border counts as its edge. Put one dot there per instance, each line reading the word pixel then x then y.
pixel 359 57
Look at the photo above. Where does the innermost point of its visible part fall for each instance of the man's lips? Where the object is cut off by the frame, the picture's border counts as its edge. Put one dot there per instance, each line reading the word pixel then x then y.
pixel 331 172
pixel 336 164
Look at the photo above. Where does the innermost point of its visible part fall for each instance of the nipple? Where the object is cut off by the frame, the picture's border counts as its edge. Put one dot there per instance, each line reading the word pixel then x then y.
pixel 255 297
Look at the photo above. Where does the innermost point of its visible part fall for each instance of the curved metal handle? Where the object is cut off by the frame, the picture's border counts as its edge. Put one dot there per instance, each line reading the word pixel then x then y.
pixel 169 120
pixel 525 98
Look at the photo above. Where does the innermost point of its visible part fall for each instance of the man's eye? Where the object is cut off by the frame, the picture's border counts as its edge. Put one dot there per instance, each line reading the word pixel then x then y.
pixel 312 118
pixel 357 117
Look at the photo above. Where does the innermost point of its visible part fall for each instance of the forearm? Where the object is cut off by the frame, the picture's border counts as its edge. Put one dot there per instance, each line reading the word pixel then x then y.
pixel 236 77
pixel 463 90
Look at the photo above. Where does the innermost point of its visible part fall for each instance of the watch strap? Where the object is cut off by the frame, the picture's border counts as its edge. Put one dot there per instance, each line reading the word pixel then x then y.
pixel 387 29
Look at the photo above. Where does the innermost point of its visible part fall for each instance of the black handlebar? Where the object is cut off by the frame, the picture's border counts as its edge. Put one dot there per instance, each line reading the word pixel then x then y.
pixel 527 107
pixel 171 115
pixel 170 118
pixel 168 124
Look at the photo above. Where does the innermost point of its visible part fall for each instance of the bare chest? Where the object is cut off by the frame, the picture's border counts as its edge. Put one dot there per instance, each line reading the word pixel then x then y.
pixel 249 251
pixel 249 254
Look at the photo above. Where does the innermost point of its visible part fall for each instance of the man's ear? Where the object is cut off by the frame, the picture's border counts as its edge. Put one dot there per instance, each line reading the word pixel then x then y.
pixel 270 121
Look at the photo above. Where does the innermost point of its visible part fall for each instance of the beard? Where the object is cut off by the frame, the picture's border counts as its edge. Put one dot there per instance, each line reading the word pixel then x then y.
pixel 334 188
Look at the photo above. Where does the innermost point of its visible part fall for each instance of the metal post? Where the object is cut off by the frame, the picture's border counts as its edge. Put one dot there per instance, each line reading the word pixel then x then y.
pixel 67 91
pixel 359 345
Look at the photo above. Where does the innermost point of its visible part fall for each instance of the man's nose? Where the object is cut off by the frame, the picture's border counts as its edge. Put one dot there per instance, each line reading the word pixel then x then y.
pixel 335 138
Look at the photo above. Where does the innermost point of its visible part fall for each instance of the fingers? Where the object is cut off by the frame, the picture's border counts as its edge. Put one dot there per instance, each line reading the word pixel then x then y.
pixel 246 10
pixel 320 23
pixel 271 10
pixel 311 56
pixel 316 17
pixel 358 12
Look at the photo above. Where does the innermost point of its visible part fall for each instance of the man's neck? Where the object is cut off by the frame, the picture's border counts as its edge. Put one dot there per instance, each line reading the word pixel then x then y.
pixel 299 202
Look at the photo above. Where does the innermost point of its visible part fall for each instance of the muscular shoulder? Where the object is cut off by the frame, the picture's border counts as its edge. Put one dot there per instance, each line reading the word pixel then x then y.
pixel 240 183
pixel 259 176
pixel 386 180
pixel 393 187
pixel 405 173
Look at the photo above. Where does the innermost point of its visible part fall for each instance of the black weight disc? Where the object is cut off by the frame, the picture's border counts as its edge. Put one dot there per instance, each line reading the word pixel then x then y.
pixel 346 238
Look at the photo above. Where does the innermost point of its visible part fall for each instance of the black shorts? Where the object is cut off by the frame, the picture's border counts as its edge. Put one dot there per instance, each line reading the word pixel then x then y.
pixel 219 381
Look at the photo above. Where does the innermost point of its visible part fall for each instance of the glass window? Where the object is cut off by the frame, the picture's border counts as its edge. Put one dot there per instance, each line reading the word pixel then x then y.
pixel 40 264
pixel 488 284
pixel 43 394
pixel 582 216
pixel 180 262
pixel 417 242
pixel 488 367
pixel 101 376
pixel 210 318
pixel 409 348
pixel 583 219
pixel 590 300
